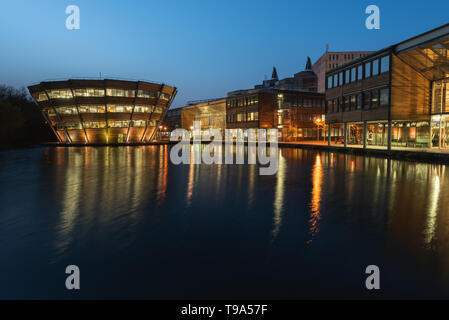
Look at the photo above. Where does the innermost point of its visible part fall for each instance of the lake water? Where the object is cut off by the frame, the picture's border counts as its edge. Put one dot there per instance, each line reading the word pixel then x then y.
pixel 140 227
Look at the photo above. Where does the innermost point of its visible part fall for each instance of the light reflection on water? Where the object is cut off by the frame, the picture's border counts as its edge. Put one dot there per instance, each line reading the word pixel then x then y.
pixel 129 208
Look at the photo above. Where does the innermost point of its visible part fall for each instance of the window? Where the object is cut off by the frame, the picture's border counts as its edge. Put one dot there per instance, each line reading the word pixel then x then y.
pixel 385 64
pixel 120 93
pixel 353 74
pixel 384 97
pixel 347 102
pixel 335 80
pixel 353 102
pixel 92 109
pixel 340 82
pixel 143 109
pixel 146 94
pixel 89 92
pixel 60 94
pixel 368 70
pixel 120 109
pixel 375 99
pixel 375 67
pixel 367 100
pixel 347 76
pixel 359 102
pixel 360 72
pixel 66 110
pixel 119 124
pixel 138 123
pixel 94 124
pixel 42 96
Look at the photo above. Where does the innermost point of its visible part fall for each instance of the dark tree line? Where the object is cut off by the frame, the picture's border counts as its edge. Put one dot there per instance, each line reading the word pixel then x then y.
pixel 21 122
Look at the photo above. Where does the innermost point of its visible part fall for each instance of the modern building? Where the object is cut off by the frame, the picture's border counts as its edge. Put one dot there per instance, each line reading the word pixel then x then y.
pixel 395 98
pixel 290 105
pixel 331 60
pixel 211 113
pixel 293 112
pixel 103 111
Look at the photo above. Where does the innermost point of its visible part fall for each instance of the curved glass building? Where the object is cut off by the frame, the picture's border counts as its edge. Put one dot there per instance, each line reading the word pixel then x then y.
pixel 103 111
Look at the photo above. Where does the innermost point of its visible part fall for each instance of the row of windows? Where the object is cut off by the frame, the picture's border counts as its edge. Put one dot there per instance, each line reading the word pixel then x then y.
pixel 102 109
pixel 67 94
pixel 367 100
pixel 242 117
pixel 103 124
pixel 302 102
pixel 360 72
pixel 242 102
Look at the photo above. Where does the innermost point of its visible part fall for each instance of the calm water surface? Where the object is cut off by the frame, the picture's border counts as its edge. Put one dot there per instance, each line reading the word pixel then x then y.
pixel 140 227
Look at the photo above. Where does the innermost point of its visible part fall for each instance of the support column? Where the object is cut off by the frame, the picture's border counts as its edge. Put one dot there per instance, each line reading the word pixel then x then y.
pixel 345 133
pixel 364 134
pixel 329 138
pixel 389 135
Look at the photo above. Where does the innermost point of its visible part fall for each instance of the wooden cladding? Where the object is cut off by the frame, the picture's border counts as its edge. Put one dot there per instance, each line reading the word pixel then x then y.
pixel 410 93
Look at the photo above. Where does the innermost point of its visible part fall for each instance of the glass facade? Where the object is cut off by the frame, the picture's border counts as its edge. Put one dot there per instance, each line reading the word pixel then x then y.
pixel 440 114
pixel 337 134
pixel 377 134
pixel 410 134
pixel 354 134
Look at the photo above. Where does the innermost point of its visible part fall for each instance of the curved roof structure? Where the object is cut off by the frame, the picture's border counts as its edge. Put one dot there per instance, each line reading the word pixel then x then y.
pixel 103 111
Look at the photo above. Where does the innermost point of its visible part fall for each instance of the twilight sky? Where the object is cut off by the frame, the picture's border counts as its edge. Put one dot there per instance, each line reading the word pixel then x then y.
pixel 204 47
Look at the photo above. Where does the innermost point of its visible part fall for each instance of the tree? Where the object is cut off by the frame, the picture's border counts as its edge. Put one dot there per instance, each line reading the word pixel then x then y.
pixel 21 122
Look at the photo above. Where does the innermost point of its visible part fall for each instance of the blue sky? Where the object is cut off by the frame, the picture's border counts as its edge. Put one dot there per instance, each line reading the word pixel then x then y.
pixel 205 48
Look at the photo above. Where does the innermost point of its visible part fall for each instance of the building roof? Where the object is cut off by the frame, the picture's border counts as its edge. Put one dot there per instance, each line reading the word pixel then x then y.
pixel 428 53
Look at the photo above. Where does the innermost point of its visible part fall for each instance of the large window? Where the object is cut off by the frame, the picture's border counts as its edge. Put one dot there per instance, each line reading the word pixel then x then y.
pixel 143 109
pixel 329 82
pixel 359 101
pixel 335 80
pixel 95 124
pixel 42 96
pixel 337 134
pixel 119 124
pixel 368 70
pixel 385 64
pixel 92 109
pixel 384 97
pixel 340 80
pixel 367 100
pixel 347 76
pixel 353 74
pixel 375 67
pixel 354 134
pixel 360 72
pixel 375 99
pixel 120 93
pixel 89 92
pixel 66 110
pixel 119 109
pixel 60 94
pixel 409 134
pixel 376 134
pixel 353 102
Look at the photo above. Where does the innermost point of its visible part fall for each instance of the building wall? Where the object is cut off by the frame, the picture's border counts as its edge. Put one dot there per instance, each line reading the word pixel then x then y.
pixel 339 110
pixel 410 93
pixel 331 60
